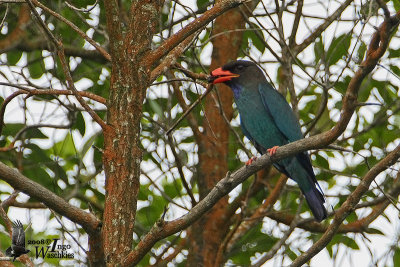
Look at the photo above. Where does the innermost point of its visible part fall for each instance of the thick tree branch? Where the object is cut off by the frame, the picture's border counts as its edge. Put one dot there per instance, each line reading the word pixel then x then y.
pixel 18 181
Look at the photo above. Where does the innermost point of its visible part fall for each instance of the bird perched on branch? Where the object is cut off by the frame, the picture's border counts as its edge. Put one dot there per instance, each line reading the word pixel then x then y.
pixel 268 122
pixel 18 241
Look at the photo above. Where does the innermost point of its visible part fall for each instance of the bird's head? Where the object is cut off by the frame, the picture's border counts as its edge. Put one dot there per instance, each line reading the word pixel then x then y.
pixel 240 72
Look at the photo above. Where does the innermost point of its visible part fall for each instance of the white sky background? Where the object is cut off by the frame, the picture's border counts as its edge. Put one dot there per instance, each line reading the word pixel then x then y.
pixel 346 257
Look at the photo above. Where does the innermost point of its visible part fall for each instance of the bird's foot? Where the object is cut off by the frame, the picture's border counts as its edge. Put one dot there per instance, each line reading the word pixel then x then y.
pixel 272 150
pixel 250 161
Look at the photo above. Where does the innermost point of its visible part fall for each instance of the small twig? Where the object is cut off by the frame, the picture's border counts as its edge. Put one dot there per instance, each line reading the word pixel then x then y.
pixel 62 226
pixel 4 18
pixel 387 196
pixel 61 55
pixel 190 74
pixel 283 239
pixel 180 169
pixel 81 9
pixel 161 221
pixel 208 89
pixel 100 49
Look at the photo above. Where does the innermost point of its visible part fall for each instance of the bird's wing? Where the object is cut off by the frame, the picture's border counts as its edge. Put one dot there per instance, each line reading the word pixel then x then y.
pixel 281 112
pixel 285 120
pixel 18 235
pixel 246 133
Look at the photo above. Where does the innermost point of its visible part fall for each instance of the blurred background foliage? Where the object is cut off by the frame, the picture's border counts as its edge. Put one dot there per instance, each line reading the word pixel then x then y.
pixel 58 145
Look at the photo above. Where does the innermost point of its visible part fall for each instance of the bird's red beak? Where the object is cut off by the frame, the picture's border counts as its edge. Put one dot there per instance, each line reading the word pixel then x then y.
pixel 219 76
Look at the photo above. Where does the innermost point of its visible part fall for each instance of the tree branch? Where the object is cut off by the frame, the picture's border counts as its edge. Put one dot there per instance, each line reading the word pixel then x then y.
pixel 189 29
pixel 317 32
pixel 101 50
pixel 172 56
pixel 18 181
pixel 347 207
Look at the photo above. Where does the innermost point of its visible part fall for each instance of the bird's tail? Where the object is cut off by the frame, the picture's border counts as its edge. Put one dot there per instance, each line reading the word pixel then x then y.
pixel 315 201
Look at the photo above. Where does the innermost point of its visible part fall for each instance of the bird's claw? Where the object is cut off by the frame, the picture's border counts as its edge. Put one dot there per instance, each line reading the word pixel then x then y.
pixel 272 150
pixel 251 160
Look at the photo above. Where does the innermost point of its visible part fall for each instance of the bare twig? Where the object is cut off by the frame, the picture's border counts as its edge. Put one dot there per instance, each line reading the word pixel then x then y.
pixel 282 240
pixel 63 227
pixel 195 103
pixel 81 9
pixel 189 29
pixel 101 50
pixel 178 162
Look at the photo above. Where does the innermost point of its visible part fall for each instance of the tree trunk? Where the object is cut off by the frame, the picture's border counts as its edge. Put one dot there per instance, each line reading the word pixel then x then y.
pixel 122 152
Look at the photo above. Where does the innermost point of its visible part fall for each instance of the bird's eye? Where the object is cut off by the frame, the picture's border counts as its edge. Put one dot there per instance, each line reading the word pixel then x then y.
pixel 240 67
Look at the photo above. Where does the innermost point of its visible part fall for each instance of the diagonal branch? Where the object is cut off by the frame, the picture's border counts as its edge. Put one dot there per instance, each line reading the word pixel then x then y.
pixel 100 49
pixel 172 56
pixel 18 181
pixel 348 207
pixel 189 29
pixel 321 28
pixel 61 55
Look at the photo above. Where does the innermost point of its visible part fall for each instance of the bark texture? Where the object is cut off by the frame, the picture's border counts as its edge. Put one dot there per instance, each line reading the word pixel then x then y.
pixel 122 152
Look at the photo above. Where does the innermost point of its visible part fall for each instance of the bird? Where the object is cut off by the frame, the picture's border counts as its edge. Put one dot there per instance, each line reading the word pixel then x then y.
pixel 268 121
pixel 18 241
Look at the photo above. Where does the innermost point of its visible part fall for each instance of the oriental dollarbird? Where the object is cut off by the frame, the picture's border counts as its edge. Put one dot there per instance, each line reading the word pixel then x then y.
pixel 268 122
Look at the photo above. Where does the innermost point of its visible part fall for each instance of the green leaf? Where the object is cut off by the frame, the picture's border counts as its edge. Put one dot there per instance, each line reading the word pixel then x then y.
pixel 318 49
pixel 65 148
pixel 34 133
pixel 172 189
pixel 88 144
pixel 321 161
pixel 341 239
pixel 13 57
pixel 11 129
pixel 394 53
pixel 396 257
pixel 155 107
pixel 35 64
pixel 349 242
pixel 251 34
pixel 202 3
pixel 375 231
pixel 338 49
pixel 361 51
pixel 80 124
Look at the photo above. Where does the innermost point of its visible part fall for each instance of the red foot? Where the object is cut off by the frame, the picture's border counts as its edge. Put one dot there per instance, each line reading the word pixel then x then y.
pixel 250 161
pixel 272 150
